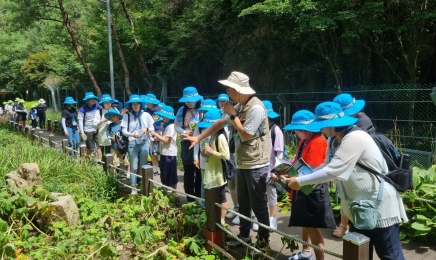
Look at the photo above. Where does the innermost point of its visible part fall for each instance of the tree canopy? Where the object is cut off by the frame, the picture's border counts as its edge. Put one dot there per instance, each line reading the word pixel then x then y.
pixel 280 44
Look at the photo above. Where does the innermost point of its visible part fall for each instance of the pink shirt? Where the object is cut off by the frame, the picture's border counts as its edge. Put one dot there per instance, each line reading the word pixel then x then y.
pixel 277 148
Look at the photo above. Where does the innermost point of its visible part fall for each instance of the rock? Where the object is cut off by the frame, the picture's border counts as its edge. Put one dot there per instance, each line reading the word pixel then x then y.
pixel 27 175
pixel 64 209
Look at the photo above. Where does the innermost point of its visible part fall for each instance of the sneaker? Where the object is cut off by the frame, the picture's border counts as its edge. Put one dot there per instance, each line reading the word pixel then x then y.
pixel 128 176
pixel 231 214
pixel 255 226
pixel 236 220
pixel 261 245
pixel 300 256
pixel 156 173
pixel 134 192
pixel 232 244
pixel 273 223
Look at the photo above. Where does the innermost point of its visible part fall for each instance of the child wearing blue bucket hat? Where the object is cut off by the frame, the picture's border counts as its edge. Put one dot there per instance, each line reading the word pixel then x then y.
pixel 186 120
pixel 276 150
pixel 101 123
pixel 70 126
pixel 215 150
pixel 354 108
pixel 113 131
pixel 346 147
pixel 152 108
pixel 168 157
pixel 137 125
pixel 86 118
pixel 313 211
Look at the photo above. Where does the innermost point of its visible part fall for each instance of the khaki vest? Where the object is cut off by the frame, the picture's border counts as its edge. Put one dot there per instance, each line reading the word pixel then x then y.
pixel 257 150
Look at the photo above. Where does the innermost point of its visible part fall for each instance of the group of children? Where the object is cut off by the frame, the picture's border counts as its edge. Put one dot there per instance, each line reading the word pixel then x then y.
pixel 17 112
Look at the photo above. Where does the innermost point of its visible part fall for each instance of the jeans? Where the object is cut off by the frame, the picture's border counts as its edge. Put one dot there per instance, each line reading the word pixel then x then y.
pixel 73 135
pixel 386 242
pixel 251 186
pixel 192 181
pixel 137 152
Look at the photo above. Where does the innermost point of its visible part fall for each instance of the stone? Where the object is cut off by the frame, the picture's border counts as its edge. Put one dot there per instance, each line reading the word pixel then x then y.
pixel 27 175
pixel 64 209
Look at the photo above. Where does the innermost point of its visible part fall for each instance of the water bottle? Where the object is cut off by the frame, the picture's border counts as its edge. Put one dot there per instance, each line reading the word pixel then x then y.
pixel 405 161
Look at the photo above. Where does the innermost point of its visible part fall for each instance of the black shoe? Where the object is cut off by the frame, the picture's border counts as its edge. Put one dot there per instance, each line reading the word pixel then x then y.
pixel 234 243
pixel 263 246
pixel 156 173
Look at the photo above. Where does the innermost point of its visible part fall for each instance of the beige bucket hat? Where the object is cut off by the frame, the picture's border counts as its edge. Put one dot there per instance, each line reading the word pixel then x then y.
pixel 42 101
pixel 239 82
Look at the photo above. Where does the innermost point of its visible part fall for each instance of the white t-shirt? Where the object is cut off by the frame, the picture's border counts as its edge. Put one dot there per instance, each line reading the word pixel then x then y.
pixel 135 125
pixel 253 120
pixel 358 183
pixel 170 148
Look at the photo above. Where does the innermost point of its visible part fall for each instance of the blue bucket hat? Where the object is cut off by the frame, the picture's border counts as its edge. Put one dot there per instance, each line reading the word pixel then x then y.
pixel 301 121
pixel 269 109
pixel 190 94
pixel 134 99
pixel 69 101
pixel 167 112
pixel 151 98
pixel 349 105
pixel 90 95
pixel 120 105
pixel 209 118
pixel 113 112
pixel 224 97
pixel 161 105
pixel 105 98
pixel 208 105
pixel 330 114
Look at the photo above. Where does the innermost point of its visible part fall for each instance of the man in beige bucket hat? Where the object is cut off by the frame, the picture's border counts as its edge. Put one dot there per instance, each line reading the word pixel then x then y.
pixel 252 151
pixel 41 109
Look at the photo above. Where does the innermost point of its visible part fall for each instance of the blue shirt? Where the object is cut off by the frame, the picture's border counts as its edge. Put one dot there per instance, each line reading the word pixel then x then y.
pixel 112 130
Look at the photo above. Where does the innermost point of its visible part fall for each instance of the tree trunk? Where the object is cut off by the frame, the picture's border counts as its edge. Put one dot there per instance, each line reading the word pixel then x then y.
pixel 123 60
pixel 75 43
pixel 142 63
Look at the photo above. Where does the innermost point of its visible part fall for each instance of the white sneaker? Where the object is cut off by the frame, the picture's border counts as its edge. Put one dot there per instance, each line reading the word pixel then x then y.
pixel 231 214
pixel 128 176
pixel 236 220
pixel 255 226
pixel 134 192
pixel 273 223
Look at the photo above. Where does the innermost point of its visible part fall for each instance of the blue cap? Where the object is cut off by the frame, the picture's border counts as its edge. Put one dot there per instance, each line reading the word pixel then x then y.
pixel 134 99
pixel 151 98
pixel 269 109
pixel 209 118
pixel 90 95
pixel 69 101
pixel 349 105
pixel 113 112
pixel 330 114
pixel 105 98
pixel 167 112
pixel 301 120
pixel 208 105
pixel 190 94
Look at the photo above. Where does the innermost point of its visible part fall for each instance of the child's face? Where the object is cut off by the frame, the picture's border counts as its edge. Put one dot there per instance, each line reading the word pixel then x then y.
pixel 114 118
pixel 190 104
pixel 165 119
pixel 107 105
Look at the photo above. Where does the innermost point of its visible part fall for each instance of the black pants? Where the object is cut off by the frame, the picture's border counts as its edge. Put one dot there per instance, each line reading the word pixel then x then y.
pixel 34 123
pixel 192 181
pixel 41 117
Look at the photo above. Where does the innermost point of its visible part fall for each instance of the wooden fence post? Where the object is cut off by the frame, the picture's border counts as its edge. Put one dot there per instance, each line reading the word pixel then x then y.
pixel 15 125
pixel 147 175
pixel 51 141
pixel 49 127
pixel 32 135
pixel 20 127
pixel 213 213
pixel 26 130
pixel 108 162
pixel 82 149
pixel 355 247
pixel 64 145
pixel 40 135
pixel 55 127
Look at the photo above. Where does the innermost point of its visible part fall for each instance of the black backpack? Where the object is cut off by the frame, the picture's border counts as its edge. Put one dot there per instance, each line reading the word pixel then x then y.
pixel 399 174
pixel 229 168
pixel 40 109
pixel 122 140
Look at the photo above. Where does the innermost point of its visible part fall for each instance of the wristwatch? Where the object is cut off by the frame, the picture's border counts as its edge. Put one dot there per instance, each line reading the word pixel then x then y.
pixel 232 117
